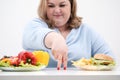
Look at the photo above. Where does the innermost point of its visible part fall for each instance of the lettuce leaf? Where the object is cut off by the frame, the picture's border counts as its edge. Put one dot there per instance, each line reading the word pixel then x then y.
pixel 4 64
pixel 102 62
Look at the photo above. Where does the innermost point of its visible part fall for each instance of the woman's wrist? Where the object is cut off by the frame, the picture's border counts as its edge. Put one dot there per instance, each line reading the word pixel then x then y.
pixel 50 38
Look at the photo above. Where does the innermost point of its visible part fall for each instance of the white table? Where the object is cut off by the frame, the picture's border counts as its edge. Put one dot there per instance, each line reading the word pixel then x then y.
pixel 69 74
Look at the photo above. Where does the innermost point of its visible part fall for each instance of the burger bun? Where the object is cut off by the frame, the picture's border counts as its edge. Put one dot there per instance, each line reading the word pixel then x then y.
pixel 103 57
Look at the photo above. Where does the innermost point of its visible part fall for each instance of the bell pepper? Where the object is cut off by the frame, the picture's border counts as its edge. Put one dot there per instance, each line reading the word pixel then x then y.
pixel 27 57
pixel 42 57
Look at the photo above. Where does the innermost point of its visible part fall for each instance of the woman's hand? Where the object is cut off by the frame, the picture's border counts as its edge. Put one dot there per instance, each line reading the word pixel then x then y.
pixel 59 48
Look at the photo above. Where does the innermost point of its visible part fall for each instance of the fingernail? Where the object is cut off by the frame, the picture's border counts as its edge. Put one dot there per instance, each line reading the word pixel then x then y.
pixel 58 68
pixel 65 68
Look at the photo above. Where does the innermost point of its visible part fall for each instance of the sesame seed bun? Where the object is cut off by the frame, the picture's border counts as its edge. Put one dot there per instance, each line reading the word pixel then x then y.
pixel 103 57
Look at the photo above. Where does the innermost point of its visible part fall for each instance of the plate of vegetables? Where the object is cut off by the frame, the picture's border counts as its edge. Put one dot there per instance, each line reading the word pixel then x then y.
pixel 25 61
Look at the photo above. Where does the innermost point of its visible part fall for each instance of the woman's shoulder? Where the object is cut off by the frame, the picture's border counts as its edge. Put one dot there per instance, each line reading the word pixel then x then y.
pixel 36 22
pixel 86 27
pixel 88 30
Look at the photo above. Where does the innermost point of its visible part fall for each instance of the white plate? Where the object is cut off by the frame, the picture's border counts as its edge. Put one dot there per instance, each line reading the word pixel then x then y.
pixel 22 69
pixel 95 68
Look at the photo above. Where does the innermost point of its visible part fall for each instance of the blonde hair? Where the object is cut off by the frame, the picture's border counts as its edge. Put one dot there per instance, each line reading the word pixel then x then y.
pixel 73 22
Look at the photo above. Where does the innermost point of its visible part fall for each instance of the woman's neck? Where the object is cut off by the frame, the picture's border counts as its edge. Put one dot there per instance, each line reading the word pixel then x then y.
pixel 64 31
pixel 62 28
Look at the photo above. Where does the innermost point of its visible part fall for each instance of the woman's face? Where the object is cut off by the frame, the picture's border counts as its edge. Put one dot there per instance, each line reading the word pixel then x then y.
pixel 58 11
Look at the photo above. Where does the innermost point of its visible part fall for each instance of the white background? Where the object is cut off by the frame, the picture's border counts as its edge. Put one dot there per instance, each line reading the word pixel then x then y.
pixel 102 15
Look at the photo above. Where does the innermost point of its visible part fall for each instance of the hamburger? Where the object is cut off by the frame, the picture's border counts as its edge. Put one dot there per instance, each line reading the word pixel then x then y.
pixel 98 62
pixel 102 59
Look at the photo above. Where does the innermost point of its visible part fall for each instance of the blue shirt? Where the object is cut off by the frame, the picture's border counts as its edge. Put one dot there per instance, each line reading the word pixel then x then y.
pixel 81 42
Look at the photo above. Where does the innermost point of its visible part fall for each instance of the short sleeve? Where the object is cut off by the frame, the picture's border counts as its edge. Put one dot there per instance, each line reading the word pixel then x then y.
pixel 33 35
pixel 98 44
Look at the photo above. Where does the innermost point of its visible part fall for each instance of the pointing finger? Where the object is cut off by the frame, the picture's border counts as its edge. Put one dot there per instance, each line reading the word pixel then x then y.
pixel 64 60
pixel 59 62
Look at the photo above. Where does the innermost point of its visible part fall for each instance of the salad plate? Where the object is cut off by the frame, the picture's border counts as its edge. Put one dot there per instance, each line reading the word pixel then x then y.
pixel 23 69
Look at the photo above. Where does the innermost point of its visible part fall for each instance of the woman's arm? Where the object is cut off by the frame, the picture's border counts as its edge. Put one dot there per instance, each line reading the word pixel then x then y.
pixel 59 48
pixel 98 44
pixel 37 36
